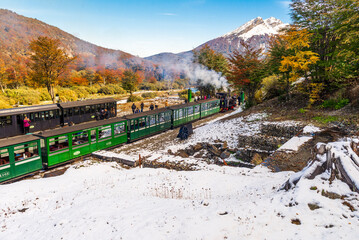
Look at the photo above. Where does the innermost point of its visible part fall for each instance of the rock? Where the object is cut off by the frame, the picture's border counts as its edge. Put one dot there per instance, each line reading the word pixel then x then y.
pixel 198 155
pixel 257 159
pixel 225 145
pixel 197 147
pixel 296 221
pixel 225 155
pixel 182 153
pixel 190 151
pixel 214 150
pixel 170 152
pixel 313 206
pixel 321 149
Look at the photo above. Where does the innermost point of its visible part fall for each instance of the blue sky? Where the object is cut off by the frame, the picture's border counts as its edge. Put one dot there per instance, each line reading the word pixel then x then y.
pixel 147 27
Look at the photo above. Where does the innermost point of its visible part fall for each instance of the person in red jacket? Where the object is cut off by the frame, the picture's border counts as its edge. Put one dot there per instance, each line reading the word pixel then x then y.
pixel 26 125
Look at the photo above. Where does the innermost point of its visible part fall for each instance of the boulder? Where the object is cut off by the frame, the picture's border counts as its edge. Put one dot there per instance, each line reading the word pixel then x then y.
pixel 182 153
pixel 213 150
pixel 190 151
pixel 197 147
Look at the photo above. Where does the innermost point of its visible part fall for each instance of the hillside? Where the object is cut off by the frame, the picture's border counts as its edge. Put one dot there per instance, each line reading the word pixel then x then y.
pixel 17 31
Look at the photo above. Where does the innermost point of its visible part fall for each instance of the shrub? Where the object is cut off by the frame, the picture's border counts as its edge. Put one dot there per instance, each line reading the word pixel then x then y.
pixel 24 96
pixel 335 103
pixel 66 94
pixel 271 87
pixel 149 95
pixel 183 94
pixel 134 98
pixel 4 102
pixel 111 89
pixel 81 91
pixel 44 94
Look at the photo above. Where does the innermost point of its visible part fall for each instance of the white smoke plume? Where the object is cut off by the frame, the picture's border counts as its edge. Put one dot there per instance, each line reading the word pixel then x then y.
pixel 198 72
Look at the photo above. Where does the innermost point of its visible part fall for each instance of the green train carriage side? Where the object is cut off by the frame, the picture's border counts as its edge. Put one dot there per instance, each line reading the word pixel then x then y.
pixel 140 125
pixel 209 107
pixel 62 145
pixel 19 156
pixel 185 113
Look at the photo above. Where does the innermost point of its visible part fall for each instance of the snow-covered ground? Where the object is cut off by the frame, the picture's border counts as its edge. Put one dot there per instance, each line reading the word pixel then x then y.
pixel 102 200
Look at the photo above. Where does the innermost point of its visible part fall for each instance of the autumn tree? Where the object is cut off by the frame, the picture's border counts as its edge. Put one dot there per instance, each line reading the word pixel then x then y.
pixel 3 76
pixel 130 81
pixel 298 60
pixel 211 59
pixel 334 29
pixel 48 62
pixel 246 71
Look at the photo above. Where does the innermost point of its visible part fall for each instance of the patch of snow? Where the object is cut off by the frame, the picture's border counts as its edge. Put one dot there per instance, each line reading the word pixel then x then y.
pixel 310 129
pixel 294 143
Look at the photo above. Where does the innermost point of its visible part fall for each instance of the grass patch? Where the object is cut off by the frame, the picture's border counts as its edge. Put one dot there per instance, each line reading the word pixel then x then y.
pixel 326 119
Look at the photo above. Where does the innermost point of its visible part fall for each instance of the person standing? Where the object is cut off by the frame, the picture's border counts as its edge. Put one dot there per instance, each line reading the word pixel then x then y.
pixel 142 106
pixel 152 106
pixel 133 108
pixel 166 103
pixel 106 114
pixel 26 125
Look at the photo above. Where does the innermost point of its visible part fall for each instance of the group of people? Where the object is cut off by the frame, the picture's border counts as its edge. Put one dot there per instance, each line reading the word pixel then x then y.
pixel 103 114
pixel 135 109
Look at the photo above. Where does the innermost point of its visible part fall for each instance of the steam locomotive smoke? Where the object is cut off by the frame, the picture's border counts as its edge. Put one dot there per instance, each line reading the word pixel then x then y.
pixel 198 72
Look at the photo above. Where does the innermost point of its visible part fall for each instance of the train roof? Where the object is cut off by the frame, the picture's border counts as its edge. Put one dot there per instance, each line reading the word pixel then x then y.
pixel 183 105
pixel 79 127
pixel 86 102
pixel 24 110
pixel 142 114
pixel 17 140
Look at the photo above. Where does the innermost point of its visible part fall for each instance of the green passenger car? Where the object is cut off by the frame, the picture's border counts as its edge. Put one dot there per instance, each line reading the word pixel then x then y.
pixel 67 143
pixel 143 124
pixel 209 107
pixel 185 113
pixel 19 156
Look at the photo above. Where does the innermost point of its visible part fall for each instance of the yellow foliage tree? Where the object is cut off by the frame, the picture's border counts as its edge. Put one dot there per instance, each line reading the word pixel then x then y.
pixel 298 62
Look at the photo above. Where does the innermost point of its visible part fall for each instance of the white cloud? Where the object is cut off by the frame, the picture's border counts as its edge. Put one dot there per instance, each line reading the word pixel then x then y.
pixel 168 14
pixel 285 4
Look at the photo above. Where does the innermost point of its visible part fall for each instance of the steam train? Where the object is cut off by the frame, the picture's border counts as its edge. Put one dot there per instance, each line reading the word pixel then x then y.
pixel 47 148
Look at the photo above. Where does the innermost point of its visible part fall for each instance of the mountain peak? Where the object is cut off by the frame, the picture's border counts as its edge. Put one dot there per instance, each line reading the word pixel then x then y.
pixel 256 26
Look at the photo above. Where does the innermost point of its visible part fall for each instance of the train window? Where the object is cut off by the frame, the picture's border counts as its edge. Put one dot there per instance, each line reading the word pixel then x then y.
pixel 148 122
pixel 82 110
pixel 42 116
pixel 26 151
pixel 51 114
pixel 58 113
pixel 141 123
pixel 5 121
pixel 4 157
pixel 58 143
pixel 76 111
pixel 168 116
pixel 190 110
pixel 162 118
pixel 69 112
pixel 47 115
pixel 104 132
pixel 153 120
pixel 119 128
pixel 87 109
pixel 93 108
pixel 196 108
pixel 80 138
pixel 180 113
pixel 93 135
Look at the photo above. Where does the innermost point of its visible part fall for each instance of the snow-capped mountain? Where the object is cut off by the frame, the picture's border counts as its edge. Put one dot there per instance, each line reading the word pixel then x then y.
pixel 256 32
